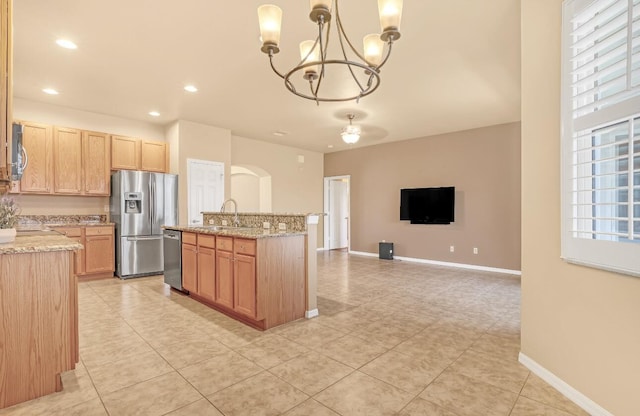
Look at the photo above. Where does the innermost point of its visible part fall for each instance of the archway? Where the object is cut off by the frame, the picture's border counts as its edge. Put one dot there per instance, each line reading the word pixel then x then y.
pixel 251 188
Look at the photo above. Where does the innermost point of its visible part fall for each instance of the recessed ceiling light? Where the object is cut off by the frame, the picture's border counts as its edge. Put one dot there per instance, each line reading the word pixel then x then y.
pixel 154 113
pixel 190 88
pixel 330 146
pixel 280 133
pixel 67 44
pixel 50 91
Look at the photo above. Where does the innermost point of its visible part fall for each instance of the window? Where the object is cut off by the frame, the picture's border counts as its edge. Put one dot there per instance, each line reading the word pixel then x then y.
pixel 601 134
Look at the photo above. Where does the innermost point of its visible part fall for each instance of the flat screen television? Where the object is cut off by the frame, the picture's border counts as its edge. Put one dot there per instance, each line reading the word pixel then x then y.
pixel 427 205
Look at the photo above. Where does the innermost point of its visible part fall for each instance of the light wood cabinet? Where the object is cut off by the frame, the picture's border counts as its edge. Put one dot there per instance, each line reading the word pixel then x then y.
pixel 96 158
pixel 125 153
pixel 97 259
pixel 244 285
pixel 154 156
pixel 224 271
pixel 189 262
pixel 64 161
pixel 67 161
pixel 128 153
pixel 207 266
pixel 37 141
pixel 99 250
pixel 261 282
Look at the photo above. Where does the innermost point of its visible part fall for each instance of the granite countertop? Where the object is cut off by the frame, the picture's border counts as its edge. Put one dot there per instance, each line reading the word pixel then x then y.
pixel 243 232
pixel 39 244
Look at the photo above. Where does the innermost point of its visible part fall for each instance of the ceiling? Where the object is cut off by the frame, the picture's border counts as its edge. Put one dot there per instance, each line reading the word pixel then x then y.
pixel 456 66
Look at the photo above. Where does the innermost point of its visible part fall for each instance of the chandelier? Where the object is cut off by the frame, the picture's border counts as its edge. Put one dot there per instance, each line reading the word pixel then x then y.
pixel 363 69
pixel 350 134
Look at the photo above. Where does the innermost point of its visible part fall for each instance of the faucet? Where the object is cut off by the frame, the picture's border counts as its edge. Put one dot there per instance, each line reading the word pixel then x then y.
pixel 236 222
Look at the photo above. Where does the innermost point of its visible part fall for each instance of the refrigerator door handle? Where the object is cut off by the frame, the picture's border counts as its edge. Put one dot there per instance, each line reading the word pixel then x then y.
pixel 145 238
pixel 152 199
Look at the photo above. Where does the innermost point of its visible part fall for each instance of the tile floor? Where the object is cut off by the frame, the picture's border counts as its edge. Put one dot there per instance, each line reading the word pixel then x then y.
pixel 392 338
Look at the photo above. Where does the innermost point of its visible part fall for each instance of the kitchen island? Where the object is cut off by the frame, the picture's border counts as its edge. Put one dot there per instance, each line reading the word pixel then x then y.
pixel 38 316
pixel 254 275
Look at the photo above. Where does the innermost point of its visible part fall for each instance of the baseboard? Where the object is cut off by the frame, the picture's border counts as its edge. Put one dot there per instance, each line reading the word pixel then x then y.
pixel 569 392
pixel 320 249
pixel 311 314
pixel 445 263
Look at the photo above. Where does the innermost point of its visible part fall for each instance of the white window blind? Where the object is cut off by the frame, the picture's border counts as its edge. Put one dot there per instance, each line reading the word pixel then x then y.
pixel 601 134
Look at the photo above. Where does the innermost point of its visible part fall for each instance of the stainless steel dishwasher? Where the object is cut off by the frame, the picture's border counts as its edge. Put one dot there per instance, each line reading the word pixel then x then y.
pixel 173 259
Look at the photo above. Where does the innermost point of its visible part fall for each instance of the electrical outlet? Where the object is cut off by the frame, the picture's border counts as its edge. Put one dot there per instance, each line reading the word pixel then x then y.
pixel 211 221
pixel 266 225
pixel 105 208
pixel 475 250
pixel 282 226
pixel 224 223
pixel 452 249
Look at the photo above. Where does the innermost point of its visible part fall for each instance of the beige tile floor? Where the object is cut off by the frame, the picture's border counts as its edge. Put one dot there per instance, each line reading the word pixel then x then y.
pixel 392 338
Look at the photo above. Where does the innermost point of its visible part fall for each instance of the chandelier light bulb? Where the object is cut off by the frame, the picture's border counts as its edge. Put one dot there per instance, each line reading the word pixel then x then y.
pixel 270 20
pixel 390 12
pixel 350 134
pixel 309 54
pixel 373 47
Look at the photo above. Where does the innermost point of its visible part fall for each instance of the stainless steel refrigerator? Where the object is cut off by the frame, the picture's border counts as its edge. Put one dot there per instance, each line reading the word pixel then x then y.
pixel 141 203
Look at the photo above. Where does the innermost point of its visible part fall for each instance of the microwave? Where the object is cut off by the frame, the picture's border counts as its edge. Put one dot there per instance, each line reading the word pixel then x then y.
pixel 18 153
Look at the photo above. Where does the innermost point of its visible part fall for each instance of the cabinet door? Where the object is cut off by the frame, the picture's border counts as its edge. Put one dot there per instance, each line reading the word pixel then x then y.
pixel 125 153
pixel 37 143
pixel 76 234
pixel 153 156
pixel 207 273
pixel 96 159
pixel 98 253
pixel 224 278
pixel 190 268
pixel 67 160
pixel 244 279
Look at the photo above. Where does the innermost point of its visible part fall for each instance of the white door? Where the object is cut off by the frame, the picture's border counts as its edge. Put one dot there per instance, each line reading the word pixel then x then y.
pixel 337 208
pixel 205 188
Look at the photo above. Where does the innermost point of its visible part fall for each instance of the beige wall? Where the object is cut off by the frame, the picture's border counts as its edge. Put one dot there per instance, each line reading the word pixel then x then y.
pixel 296 186
pixel 484 166
pixel 62 116
pixel 581 324
pixel 198 141
pixel 245 189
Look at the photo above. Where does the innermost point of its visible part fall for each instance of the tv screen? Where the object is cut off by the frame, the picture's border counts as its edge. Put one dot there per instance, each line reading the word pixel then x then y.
pixel 427 205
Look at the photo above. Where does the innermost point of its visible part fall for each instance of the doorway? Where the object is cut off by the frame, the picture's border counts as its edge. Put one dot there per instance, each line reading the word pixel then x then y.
pixel 337 209
pixel 205 188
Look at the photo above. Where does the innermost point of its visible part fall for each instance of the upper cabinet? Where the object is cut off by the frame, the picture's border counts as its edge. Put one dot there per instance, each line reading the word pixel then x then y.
pixel 125 153
pixel 64 161
pixel 37 142
pixel 96 155
pixel 67 161
pixel 136 154
pixel 5 91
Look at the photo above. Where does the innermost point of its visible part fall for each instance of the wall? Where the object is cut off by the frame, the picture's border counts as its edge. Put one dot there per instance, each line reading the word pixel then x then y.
pixel 296 186
pixel 198 141
pixel 484 166
pixel 245 189
pixel 67 117
pixel 581 324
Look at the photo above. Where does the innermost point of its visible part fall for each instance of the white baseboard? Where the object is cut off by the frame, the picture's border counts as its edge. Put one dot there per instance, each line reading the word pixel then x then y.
pixel 569 392
pixel 445 263
pixel 311 314
pixel 320 249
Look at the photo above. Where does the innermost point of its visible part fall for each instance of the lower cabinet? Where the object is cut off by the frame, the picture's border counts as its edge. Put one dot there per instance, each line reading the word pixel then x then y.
pixel 189 262
pixel 261 282
pixel 97 259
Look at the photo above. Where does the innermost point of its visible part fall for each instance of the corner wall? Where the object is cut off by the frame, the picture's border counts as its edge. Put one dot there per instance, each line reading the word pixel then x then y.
pixel 579 323
pixel 484 166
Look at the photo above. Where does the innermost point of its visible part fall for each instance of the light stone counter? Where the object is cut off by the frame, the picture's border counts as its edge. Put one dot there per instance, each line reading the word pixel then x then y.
pixel 39 244
pixel 252 233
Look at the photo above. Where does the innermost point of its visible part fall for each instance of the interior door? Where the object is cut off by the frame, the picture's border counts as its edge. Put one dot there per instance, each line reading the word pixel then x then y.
pixel 338 219
pixel 205 188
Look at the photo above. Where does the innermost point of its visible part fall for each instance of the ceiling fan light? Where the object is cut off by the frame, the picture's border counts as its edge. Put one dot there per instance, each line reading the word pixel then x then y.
pixel 350 134
pixel 270 20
